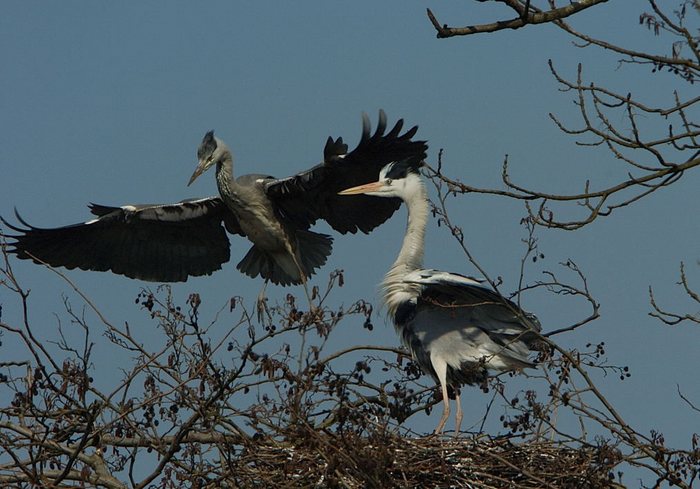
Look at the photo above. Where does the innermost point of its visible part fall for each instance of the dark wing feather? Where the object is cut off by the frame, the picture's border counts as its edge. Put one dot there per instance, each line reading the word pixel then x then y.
pixel 313 194
pixel 160 243
pixel 451 290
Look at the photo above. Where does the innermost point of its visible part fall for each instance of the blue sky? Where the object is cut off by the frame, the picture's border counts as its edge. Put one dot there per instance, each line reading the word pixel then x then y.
pixel 107 102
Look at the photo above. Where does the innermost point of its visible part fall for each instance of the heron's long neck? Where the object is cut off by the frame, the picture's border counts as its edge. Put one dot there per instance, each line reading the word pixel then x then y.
pixel 411 255
pixel 224 175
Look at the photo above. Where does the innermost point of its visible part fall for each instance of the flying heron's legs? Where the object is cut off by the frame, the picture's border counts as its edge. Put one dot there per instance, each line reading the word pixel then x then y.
pixel 458 414
pixel 304 283
pixel 304 279
pixel 261 304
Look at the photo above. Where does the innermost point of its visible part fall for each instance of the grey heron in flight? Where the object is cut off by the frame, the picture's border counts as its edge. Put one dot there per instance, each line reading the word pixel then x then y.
pixel 171 242
pixel 456 328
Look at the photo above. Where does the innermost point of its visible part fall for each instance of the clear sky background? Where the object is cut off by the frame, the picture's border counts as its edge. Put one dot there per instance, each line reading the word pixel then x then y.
pixel 107 102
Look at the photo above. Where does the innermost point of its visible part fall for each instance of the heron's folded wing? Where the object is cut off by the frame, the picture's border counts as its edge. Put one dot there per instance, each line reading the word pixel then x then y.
pixel 160 243
pixel 468 297
pixel 313 194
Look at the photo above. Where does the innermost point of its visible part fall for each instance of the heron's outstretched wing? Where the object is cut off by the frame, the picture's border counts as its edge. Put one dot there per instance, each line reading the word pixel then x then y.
pixel 313 194
pixel 159 243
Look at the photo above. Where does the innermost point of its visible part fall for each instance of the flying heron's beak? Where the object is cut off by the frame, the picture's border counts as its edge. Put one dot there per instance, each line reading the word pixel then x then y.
pixel 197 172
pixel 362 189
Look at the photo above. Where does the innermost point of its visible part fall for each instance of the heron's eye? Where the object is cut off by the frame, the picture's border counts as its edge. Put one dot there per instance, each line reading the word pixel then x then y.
pixel 388 181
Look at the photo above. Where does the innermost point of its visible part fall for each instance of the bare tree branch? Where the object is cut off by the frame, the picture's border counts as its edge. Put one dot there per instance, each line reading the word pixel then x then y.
pixel 526 14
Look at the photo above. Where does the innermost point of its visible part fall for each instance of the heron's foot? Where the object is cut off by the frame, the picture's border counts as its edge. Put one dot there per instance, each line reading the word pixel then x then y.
pixel 261 308
pixel 437 435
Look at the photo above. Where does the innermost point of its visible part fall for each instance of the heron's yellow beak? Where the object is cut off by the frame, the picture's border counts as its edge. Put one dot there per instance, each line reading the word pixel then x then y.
pixel 363 189
pixel 197 172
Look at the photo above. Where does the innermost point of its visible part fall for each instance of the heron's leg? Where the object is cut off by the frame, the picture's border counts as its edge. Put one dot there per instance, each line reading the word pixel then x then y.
pixel 458 414
pixel 304 283
pixel 261 304
pixel 304 280
pixel 440 367
pixel 445 411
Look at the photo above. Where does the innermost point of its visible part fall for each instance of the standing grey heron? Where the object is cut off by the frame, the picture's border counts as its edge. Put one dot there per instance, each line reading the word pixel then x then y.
pixel 455 328
pixel 171 242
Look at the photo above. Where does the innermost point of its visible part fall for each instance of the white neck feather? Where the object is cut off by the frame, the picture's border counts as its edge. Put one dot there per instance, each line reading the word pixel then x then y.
pixel 410 258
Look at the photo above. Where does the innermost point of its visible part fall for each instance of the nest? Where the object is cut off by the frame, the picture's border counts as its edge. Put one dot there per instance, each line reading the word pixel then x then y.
pixel 331 460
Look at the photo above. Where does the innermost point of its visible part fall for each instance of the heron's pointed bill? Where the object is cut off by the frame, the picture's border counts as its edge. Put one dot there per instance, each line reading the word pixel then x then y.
pixel 362 189
pixel 197 172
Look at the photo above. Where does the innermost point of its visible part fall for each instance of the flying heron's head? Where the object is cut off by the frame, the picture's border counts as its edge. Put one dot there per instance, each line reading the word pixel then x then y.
pixel 397 179
pixel 210 152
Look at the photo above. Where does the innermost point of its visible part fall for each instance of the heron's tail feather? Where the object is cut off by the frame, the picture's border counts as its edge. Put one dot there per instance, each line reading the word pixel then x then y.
pixel 281 268
pixel 313 249
pixel 259 262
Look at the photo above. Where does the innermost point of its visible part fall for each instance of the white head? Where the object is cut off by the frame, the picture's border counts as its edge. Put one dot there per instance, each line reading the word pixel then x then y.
pixel 212 150
pixel 397 179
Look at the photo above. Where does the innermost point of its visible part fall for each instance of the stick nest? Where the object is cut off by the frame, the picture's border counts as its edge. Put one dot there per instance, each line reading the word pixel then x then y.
pixel 332 460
